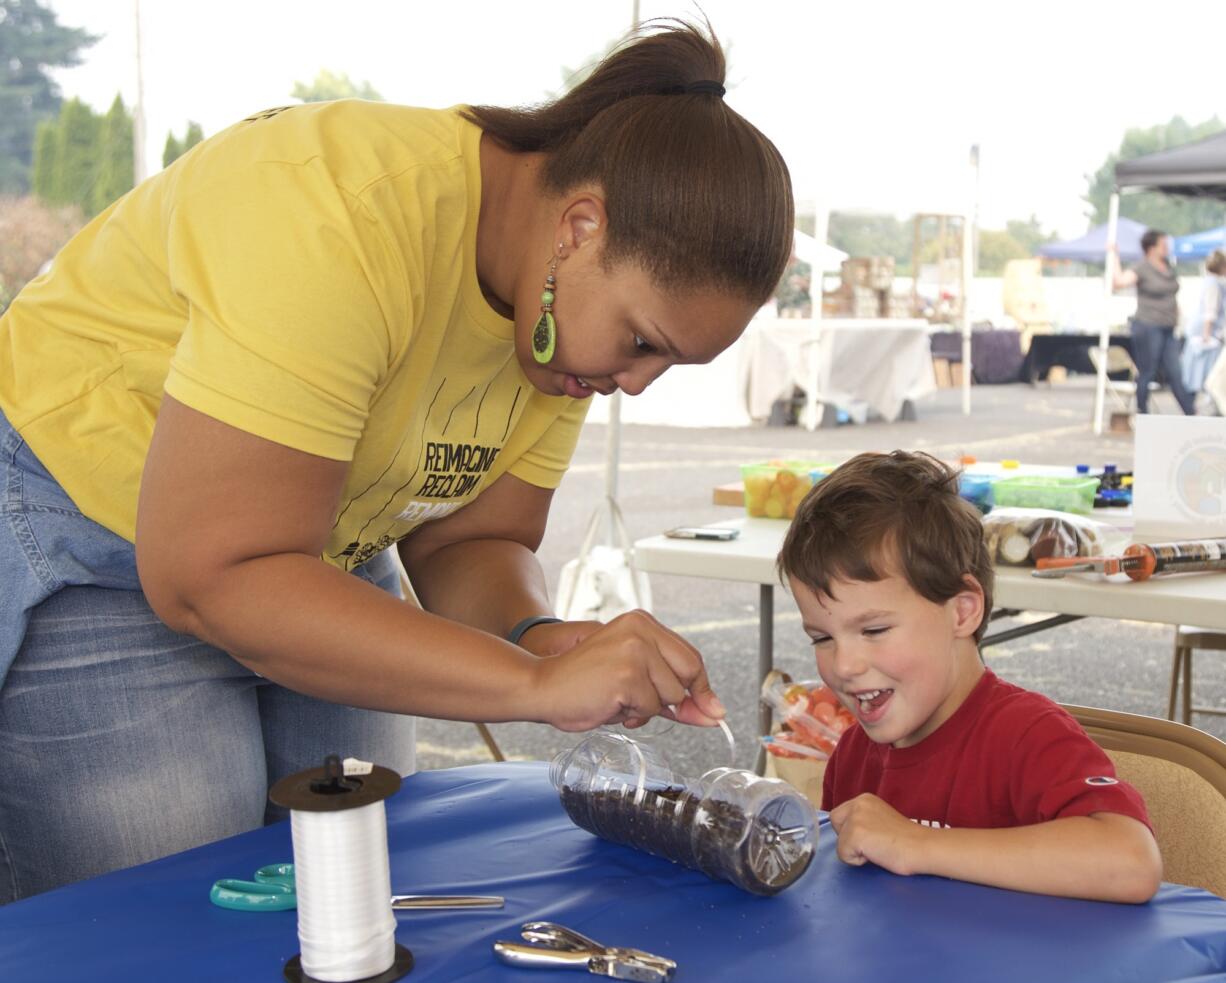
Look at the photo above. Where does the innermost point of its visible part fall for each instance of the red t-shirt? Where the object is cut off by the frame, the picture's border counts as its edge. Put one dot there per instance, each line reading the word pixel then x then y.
pixel 1007 757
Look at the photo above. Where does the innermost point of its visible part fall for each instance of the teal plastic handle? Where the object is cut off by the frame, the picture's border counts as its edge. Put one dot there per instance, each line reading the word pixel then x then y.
pixel 253 895
pixel 276 874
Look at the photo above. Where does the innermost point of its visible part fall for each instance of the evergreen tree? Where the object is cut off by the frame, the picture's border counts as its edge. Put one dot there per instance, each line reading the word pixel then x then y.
pixel 176 148
pixel 172 150
pixel 31 43
pixel 194 135
pixel 42 176
pixel 1173 214
pixel 75 154
pixel 116 165
pixel 328 85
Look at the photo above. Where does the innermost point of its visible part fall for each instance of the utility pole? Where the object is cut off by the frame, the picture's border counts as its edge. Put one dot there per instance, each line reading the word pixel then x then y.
pixel 139 170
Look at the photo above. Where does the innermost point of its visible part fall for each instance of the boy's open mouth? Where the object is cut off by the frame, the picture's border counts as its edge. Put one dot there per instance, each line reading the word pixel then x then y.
pixel 872 700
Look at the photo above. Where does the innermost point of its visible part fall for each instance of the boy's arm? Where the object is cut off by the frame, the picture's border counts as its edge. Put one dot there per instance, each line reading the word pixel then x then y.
pixel 1102 857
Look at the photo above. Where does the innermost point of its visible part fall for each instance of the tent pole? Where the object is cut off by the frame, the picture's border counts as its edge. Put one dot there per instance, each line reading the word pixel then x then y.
pixel 965 288
pixel 1100 389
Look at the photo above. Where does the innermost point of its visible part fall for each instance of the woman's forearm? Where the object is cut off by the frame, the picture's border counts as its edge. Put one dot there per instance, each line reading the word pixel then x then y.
pixel 320 631
pixel 489 584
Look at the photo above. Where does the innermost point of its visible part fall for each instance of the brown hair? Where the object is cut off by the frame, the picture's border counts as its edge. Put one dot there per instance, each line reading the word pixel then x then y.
pixel 1216 263
pixel 695 194
pixel 882 508
pixel 1151 238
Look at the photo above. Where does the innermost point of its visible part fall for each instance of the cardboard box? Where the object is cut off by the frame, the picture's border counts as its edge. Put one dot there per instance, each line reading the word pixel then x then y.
pixel 942 370
pixel 803 774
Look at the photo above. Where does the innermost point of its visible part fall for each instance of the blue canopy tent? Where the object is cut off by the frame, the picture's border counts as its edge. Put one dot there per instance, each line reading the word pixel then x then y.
pixel 1092 247
pixel 1198 245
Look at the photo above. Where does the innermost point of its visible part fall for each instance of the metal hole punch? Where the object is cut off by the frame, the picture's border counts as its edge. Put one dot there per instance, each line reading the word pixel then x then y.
pixel 552 946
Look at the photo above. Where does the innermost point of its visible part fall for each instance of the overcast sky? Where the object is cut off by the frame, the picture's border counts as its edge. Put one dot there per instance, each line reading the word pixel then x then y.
pixel 874 104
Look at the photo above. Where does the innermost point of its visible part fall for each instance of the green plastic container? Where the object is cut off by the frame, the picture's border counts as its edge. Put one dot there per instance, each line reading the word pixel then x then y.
pixel 1043 492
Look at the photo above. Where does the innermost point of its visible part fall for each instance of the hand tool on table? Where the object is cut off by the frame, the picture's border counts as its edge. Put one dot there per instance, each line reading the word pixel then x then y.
pixel 552 946
pixel 1142 560
pixel 273 889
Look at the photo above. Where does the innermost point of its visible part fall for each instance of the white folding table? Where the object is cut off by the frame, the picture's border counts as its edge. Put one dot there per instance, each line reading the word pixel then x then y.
pixel 1194 598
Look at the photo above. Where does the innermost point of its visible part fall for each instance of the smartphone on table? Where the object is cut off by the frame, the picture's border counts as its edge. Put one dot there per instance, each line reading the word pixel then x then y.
pixel 719 533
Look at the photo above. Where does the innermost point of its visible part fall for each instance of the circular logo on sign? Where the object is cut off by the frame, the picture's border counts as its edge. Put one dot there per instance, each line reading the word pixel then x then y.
pixel 1199 482
pixel 1102 780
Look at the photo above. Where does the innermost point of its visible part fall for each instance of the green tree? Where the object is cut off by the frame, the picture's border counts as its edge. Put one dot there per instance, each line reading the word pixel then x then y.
pixel 328 86
pixel 195 133
pixel 865 234
pixel 76 154
pixel 1173 214
pixel 116 166
pixel 42 175
pixel 1018 240
pixel 172 151
pixel 176 148
pixel 31 43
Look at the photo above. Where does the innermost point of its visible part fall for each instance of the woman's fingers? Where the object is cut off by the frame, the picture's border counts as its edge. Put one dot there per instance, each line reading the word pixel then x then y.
pixel 629 671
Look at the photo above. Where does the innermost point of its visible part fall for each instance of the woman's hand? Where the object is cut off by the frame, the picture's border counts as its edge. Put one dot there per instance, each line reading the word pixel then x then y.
pixel 627 672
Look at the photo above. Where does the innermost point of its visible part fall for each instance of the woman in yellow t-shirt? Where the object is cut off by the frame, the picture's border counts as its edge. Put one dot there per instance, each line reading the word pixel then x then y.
pixel 329 330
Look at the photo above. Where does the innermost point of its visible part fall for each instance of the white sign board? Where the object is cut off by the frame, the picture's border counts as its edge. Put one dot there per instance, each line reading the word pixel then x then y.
pixel 1179 489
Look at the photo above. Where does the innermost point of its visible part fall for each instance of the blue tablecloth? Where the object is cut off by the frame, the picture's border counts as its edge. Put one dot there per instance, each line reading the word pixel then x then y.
pixel 498 829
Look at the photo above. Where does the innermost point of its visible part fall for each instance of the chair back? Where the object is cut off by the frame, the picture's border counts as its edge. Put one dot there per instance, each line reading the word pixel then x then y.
pixel 1181 773
pixel 1118 360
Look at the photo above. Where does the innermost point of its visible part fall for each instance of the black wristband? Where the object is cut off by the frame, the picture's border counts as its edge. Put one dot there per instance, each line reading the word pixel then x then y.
pixel 516 633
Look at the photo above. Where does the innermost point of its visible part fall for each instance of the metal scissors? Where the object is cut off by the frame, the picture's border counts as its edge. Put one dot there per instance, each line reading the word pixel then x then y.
pixel 271 890
pixel 552 946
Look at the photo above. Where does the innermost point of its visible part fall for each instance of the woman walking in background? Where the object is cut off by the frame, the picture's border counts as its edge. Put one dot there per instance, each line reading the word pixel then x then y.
pixel 1154 345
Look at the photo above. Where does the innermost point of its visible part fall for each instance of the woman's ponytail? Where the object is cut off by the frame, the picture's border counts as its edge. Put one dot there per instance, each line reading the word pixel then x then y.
pixel 695 194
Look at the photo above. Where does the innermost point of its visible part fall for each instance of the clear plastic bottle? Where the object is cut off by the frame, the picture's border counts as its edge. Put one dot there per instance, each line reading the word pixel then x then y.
pixel 759 833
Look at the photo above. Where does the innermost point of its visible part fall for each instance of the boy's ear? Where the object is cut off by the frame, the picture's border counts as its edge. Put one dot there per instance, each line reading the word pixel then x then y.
pixel 968 608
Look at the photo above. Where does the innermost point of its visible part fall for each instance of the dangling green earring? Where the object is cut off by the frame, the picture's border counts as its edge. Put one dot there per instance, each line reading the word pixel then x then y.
pixel 545 334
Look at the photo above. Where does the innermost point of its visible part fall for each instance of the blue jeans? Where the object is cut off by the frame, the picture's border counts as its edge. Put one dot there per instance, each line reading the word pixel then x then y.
pixel 120 740
pixel 1155 348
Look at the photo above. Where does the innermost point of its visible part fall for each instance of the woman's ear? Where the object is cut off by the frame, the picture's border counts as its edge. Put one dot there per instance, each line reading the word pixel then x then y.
pixel 968 608
pixel 583 221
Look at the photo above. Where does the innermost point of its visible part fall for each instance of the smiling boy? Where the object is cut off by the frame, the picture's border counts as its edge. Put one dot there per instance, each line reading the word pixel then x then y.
pixel 952 771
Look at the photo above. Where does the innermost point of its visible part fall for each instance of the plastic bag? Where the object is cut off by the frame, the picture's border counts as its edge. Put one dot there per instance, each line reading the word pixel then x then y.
pixel 1019 537
pixel 602 581
pixel 811 718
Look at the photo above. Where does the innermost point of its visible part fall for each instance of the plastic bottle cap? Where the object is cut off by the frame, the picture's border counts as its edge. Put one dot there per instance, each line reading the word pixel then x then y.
pixel 1083 469
pixel 1009 464
pixel 967 459
pixel 1126 481
pixel 1108 469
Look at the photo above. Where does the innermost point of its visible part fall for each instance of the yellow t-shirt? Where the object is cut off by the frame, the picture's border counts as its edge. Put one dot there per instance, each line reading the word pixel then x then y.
pixel 308 276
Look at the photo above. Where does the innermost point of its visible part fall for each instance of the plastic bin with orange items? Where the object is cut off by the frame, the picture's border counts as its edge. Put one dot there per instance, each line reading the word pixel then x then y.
pixel 773 489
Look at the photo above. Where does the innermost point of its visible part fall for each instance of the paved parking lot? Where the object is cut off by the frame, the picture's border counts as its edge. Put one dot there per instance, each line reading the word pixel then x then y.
pixel 666 477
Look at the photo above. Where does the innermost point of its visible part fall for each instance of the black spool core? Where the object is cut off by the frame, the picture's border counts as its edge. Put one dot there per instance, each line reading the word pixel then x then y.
pixel 401 966
pixel 334 781
pixel 329 789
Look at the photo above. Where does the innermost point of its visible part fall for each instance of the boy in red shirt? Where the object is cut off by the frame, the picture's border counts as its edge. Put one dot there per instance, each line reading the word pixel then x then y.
pixel 952 771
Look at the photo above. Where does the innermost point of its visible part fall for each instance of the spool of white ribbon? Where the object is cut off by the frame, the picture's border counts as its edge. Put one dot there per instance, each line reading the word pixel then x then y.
pixel 346 928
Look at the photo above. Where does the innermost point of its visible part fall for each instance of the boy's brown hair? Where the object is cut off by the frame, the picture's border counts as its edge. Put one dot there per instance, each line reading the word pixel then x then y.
pixel 883 509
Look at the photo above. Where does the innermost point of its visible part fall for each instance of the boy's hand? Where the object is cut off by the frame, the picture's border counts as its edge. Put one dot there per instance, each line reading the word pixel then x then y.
pixel 870 830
